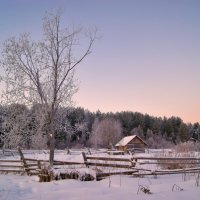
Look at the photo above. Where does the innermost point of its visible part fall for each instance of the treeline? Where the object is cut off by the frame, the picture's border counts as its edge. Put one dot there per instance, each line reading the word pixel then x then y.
pixel 27 127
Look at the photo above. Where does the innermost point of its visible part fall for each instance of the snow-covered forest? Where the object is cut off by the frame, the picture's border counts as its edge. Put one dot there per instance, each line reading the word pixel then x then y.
pixel 77 127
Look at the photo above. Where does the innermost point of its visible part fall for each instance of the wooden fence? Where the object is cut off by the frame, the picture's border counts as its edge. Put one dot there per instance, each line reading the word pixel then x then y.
pixel 11 166
pixel 133 163
pixel 123 165
pixel 109 161
pixel 27 165
pixel 21 164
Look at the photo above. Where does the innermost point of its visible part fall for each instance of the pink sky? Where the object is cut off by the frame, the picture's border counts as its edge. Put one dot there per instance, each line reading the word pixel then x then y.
pixel 147 60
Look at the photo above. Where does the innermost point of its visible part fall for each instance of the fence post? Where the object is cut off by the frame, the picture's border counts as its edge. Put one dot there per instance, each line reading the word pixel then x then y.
pixel 85 159
pixel 39 164
pixel 23 160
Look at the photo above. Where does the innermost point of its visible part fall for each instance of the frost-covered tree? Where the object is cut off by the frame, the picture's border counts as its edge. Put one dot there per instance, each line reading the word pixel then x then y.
pixel 15 126
pixel 138 131
pixel 63 128
pixel 23 127
pixel 82 132
pixel 43 71
pixel 157 140
pixel 1 123
pixel 38 127
pixel 106 133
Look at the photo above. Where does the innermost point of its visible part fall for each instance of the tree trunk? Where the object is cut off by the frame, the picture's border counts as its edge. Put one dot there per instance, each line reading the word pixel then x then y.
pixel 52 141
pixel 52 137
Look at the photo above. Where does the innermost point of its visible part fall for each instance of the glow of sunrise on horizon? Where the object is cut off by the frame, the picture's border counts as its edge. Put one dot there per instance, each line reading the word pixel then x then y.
pixel 147 59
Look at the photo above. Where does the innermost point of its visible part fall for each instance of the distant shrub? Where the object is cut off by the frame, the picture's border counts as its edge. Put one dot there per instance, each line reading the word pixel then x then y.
pixel 187 150
pixel 177 164
pixel 157 141
pixel 187 147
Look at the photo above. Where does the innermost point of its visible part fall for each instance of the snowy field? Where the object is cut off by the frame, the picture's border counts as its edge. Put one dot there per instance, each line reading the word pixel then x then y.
pixel 17 187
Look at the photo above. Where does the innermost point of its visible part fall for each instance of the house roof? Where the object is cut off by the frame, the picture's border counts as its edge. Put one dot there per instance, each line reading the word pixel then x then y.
pixel 124 141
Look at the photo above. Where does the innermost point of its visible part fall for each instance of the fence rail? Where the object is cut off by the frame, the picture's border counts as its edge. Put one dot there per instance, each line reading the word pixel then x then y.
pixel 11 166
pixel 113 162
pixel 165 158
pixel 109 159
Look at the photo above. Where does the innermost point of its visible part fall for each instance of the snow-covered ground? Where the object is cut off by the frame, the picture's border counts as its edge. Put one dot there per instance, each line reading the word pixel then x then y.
pixel 117 187
pixel 17 187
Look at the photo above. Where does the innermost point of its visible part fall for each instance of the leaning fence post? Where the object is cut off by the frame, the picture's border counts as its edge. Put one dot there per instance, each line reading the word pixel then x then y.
pixel 23 159
pixel 84 158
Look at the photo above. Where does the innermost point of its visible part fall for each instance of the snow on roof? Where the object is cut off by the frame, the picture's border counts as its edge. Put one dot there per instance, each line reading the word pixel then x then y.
pixel 124 141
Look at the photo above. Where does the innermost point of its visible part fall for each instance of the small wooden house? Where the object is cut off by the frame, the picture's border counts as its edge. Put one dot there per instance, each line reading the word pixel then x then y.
pixel 130 143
